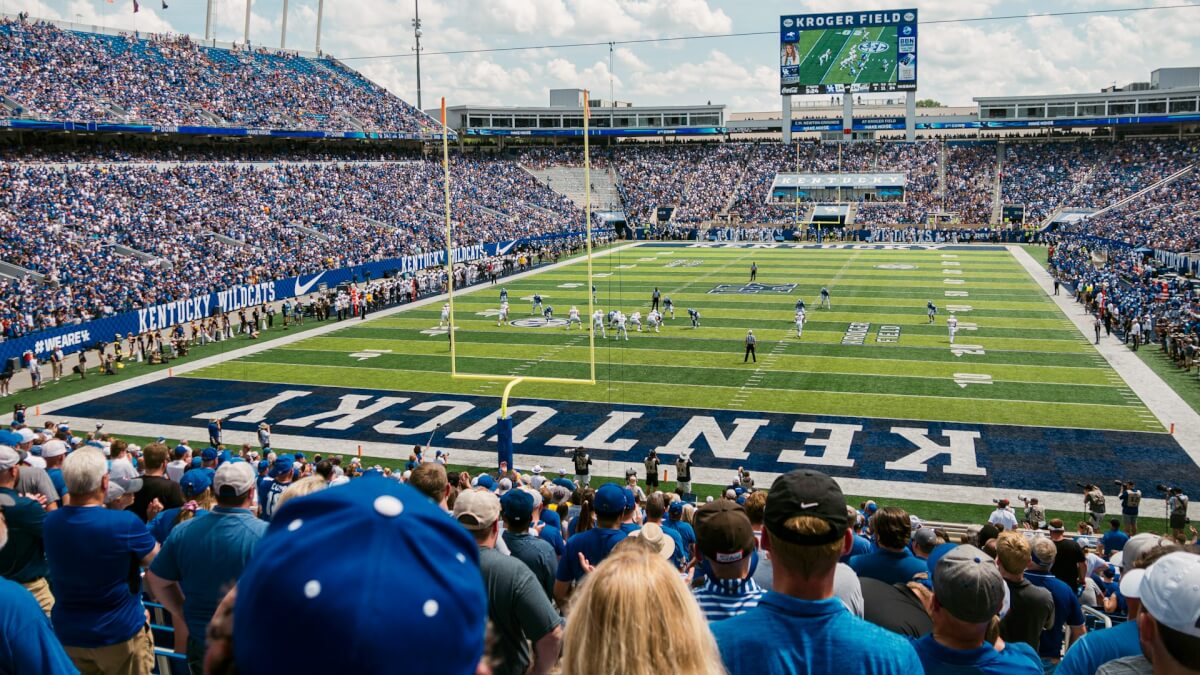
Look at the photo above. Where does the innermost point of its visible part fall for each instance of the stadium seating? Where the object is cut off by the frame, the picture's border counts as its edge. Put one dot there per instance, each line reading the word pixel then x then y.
pixel 58 74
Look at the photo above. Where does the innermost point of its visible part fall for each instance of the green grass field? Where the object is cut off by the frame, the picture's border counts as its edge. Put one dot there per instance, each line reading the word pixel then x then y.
pixel 1016 361
pixel 837 45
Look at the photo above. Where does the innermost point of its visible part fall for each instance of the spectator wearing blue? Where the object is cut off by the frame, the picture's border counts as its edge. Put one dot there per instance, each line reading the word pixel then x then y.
pixel 655 510
pixel 892 562
pixel 279 477
pixel 1114 540
pixel 628 517
pixel 203 557
pixel 517 507
pixel 726 546
pixel 1067 610
pixel 520 610
pixel 861 545
pixel 1169 622
pixel 27 640
pixel 195 486
pixel 590 546
pixel 801 626
pixel 1099 647
pixel 385 579
pixel 55 452
pixel 968 592
pixel 23 560
pixel 548 524
pixel 181 460
pixel 214 431
pixel 687 534
pixel 100 621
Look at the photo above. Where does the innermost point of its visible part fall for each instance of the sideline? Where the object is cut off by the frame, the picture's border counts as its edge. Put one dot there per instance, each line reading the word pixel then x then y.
pixel 1166 405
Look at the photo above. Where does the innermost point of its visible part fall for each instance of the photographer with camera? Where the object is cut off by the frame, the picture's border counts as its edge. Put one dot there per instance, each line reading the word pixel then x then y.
pixel 1093 503
pixel 1177 506
pixel 1003 517
pixel 1131 499
pixel 1035 513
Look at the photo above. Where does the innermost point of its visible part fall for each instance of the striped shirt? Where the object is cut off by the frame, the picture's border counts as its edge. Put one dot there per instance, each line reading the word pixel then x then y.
pixel 724 598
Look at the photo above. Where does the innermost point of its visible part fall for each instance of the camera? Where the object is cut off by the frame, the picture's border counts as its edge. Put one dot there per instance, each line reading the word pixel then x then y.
pixel 1120 482
pixel 1162 488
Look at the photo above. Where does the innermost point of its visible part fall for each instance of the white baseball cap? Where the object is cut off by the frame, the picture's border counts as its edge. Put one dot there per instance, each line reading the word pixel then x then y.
pixel 55 448
pixel 1170 592
pixel 234 479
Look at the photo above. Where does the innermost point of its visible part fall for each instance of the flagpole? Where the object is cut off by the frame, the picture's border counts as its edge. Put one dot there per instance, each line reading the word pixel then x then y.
pixel 246 30
pixel 320 14
pixel 208 21
pixel 283 33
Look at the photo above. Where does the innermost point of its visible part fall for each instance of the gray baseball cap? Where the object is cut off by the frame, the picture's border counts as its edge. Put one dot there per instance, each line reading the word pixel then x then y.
pixel 967 583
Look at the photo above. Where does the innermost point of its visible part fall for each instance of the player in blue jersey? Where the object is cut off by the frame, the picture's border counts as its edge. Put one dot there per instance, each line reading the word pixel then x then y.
pixel 825 299
pixel 537 304
pixel 548 312
pixel 931 310
pixel 503 295
pixel 668 306
pixel 694 315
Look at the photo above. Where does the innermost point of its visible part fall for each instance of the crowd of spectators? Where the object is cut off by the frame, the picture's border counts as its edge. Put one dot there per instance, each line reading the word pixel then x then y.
pixel 63 222
pixel 57 74
pixel 521 571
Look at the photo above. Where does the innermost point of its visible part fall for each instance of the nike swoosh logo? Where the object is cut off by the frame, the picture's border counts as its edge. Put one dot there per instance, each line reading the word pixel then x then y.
pixel 809 506
pixel 301 289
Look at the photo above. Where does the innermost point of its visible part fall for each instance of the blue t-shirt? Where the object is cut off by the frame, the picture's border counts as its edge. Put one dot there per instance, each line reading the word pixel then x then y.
pixel 1067 610
pixel 594 544
pixel 206 556
pixel 939 659
pixel 630 528
pixel 1099 647
pixel 1113 541
pixel 94 554
pixel 60 483
pixel 552 531
pixel 890 567
pixel 685 532
pixel 785 635
pixel 27 642
pixel 164 522
pixel 861 546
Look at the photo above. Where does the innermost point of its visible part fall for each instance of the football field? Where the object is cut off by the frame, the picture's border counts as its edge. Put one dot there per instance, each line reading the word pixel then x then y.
pixel 842 45
pixel 872 392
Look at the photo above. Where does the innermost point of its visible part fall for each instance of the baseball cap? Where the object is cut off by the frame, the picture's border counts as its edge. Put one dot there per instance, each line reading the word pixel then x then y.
pixel 234 479
pixel 26 434
pixel 564 483
pixel 209 454
pixel 1043 552
pixel 181 450
pixel 373 564
pixel 1056 525
pixel 723 531
pixel 193 483
pixel 281 466
pixel 676 508
pixel 8 458
pixel 476 509
pixel 1135 548
pixel 116 490
pixel 263 465
pixel 505 485
pixel 517 506
pixel 1002 503
pixel 10 438
pixel 537 468
pixel 630 499
pixel 924 539
pixel 299 456
pixel 805 492
pixel 610 500
pixel 1170 591
pixel 1083 542
pixel 652 533
pixel 967 583
pixel 485 481
pixel 54 448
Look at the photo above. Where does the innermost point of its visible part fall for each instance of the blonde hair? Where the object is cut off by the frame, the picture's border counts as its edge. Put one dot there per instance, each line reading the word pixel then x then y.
pixel 1013 552
pixel 610 632
pixel 304 486
pixel 806 561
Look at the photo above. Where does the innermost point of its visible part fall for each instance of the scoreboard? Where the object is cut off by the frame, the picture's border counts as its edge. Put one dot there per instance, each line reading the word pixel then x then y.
pixel 848 52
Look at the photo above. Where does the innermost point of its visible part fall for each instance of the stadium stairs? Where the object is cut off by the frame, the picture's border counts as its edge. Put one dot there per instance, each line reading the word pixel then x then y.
pixel 569 182
pixel 147 258
pixel 997 186
pixel 309 231
pixel 1146 190
pixel 230 241
pixel 17 272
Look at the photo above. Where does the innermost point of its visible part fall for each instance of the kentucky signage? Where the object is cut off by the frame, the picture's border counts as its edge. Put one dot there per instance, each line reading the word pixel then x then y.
pixel 979 455
pixel 852 180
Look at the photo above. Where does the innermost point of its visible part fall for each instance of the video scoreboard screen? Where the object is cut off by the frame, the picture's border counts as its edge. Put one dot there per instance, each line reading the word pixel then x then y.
pixel 848 52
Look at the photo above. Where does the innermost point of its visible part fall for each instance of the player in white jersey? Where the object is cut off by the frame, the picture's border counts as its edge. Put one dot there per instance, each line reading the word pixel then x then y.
pixel 636 319
pixel 800 319
pixel 598 322
pixel 445 320
pixel 537 304
pixel 503 313
pixel 952 326
pixel 573 317
pixel 621 330
pixel 654 319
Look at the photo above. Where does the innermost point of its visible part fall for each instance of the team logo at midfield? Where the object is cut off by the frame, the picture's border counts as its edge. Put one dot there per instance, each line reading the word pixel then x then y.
pixel 873 47
pixel 753 288
pixel 895 266
pixel 683 262
pixel 538 322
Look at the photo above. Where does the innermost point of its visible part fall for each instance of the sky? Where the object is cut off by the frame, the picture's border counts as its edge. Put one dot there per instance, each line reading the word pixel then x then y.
pixel 959 60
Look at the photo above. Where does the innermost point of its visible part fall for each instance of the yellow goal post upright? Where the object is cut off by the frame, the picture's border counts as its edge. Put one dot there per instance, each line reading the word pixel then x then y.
pixel 504 421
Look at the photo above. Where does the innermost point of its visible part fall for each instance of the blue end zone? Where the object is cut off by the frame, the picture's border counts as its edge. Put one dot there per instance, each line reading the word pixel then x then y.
pixel 994 456
pixel 849 246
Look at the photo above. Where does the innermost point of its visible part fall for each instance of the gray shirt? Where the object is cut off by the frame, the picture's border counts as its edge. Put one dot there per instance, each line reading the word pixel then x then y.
pixel 36 481
pixel 518 608
pixel 1130 665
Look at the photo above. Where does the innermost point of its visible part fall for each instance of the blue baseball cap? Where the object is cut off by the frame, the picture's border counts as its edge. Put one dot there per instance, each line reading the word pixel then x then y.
pixel 281 466
pixel 564 482
pixel 485 480
pixel 196 462
pixel 610 500
pixel 224 456
pixel 209 454
pixel 10 438
pixel 263 465
pixel 630 499
pixel 299 456
pixel 194 483
pixel 181 450
pixel 517 505
pixel 372 564
pixel 676 508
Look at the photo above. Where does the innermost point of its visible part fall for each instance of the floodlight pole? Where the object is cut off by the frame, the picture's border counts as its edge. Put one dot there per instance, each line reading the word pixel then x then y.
pixel 416 23
pixel 283 33
pixel 208 20
pixel 246 30
pixel 320 15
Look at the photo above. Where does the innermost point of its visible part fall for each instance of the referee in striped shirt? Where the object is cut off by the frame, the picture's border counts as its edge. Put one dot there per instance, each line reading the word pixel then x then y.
pixel 725 541
pixel 750 342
